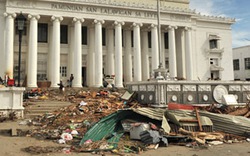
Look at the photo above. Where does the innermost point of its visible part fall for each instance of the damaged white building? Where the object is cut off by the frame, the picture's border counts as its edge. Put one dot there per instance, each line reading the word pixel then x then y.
pixel 93 38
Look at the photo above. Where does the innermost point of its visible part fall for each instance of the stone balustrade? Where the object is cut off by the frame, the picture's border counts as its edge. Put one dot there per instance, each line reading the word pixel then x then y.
pixel 11 100
pixel 161 92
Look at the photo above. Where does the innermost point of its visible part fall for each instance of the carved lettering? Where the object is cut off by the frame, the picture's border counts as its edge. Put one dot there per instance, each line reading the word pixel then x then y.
pixel 67 7
pixel 150 15
pixel 91 9
pixel 100 10
pixel 116 12
pixel 138 13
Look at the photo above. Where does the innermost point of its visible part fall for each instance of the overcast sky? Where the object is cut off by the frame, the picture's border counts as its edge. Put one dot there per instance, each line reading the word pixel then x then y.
pixel 238 9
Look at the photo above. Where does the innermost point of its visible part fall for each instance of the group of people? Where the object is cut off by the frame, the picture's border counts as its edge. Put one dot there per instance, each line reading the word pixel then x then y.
pixel 61 85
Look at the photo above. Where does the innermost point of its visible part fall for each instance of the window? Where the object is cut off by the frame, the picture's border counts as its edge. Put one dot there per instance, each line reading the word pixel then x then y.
pixel 149 40
pixel 132 38
pixel 247 63
pixel 103 36
pixel 84 35
pixel 236 64
pixel 43 32
pixel 213 44
pixel 166 40
pixel 63 71
pixel 64 34
pixel 42 67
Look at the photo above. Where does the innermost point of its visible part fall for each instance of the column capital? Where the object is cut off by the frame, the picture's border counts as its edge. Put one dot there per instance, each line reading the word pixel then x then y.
pixel 153 26
pixel 137 25
pixel 13 15
pixel 81 20
pixel 119 23
pixel 99 21
pixel 37 17
pixel 171 27
pixel 54 18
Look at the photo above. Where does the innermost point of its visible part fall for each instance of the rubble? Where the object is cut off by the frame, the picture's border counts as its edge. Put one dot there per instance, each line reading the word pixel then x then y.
pixel 104 121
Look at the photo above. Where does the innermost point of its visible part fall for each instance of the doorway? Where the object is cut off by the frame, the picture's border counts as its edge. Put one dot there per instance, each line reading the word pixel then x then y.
pixel 84 75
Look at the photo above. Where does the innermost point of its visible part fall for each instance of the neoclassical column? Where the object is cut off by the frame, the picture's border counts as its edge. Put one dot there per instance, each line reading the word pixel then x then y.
pixel 145 56
pixel 137 52
pixel 77 64
pixel 71 51
pixel 9 43
pixel 172 52
pixel 128 57
pixel 180 53
pixel 118 54
pixel 91 58
pixel 155 47
pixel 110 59
pixel 189 60
pixel 98 53
pixel 32 52
pixel 49 61
pixel 55 53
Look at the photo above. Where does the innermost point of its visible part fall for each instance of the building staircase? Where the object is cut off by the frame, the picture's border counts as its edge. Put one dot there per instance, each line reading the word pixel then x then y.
pixel 37 108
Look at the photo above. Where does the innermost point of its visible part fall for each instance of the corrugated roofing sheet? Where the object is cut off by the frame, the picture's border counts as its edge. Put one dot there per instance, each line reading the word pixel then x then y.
pixel 176 115
pixel 152 113
pixel 111 125
pixel 237 125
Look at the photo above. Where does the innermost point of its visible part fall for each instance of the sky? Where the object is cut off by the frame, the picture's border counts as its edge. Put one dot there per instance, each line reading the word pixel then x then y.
pixel 238 9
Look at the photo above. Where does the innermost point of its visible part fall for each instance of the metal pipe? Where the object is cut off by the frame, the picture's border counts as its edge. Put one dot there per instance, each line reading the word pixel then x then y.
pixel 159 32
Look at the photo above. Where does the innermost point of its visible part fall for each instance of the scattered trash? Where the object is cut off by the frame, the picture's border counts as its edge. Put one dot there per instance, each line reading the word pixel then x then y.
pixel 66 136
pixel 136 130
pixel 83 103
pixel 215 143
pixel 108 120
pixel 61 141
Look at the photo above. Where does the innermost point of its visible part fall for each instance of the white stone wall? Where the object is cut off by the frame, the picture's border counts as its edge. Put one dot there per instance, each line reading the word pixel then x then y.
pixel 202 55
pixel 241 53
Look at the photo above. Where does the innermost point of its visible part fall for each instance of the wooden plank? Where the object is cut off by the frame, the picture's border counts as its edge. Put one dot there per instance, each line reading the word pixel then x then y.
pixel 198 119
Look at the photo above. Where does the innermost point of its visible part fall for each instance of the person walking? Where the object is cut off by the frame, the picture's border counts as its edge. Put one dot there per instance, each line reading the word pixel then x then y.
pixel 71 80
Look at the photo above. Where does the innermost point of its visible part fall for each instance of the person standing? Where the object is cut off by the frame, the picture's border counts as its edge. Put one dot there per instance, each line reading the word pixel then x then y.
pixel 71 80
pixel 61 86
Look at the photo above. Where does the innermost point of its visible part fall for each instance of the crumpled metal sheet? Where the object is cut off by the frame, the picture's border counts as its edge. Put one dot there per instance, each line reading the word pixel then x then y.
pixel 174 116
pixel 109 126
pixel 152 113
pixel 236 125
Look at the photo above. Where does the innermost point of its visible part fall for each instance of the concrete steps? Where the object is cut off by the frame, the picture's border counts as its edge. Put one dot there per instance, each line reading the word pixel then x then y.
pixel 37 108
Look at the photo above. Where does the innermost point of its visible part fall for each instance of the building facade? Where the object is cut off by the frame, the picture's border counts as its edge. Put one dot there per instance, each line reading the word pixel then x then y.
pixel 93 38
pixel 241 63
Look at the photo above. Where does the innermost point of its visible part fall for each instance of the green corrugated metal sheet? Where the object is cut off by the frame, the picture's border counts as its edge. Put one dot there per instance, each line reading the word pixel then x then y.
pixel 111 124
pixel 152 113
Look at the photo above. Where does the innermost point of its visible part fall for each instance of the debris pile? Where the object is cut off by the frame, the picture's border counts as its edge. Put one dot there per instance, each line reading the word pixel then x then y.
pixel 102 121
